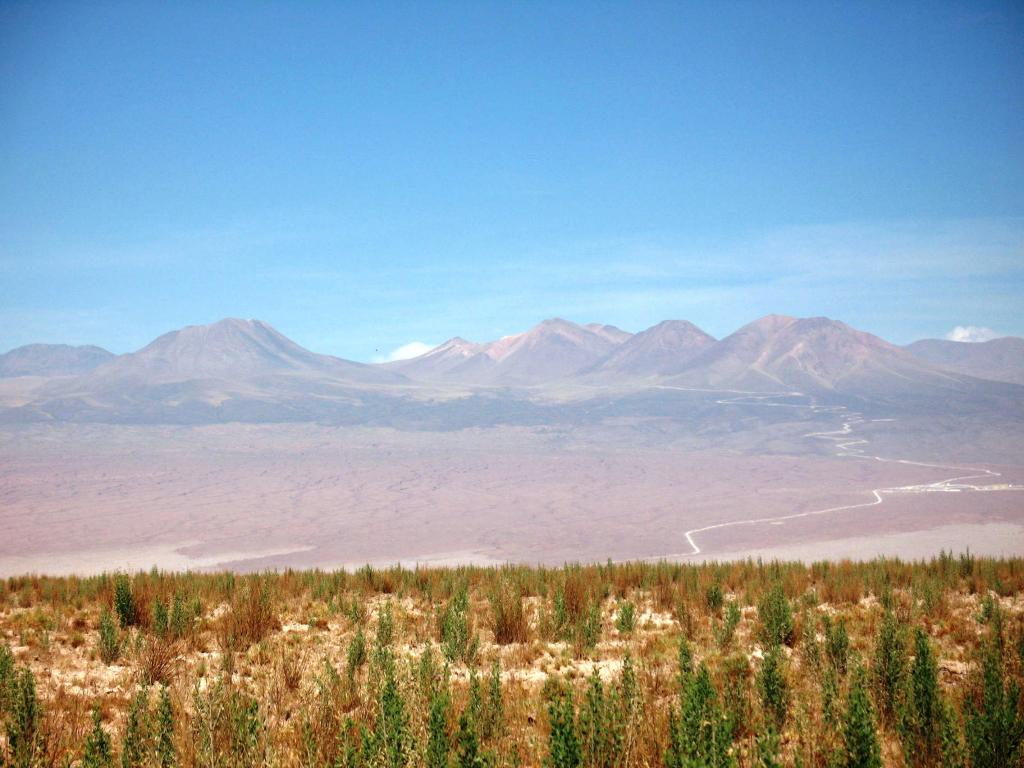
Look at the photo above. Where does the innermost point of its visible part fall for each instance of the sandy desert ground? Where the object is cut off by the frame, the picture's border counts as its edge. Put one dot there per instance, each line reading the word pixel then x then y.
pixel 86 498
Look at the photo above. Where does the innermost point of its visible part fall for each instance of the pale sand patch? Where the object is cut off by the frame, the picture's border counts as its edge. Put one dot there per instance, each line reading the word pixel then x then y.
pixel 989 539
pixel 91 562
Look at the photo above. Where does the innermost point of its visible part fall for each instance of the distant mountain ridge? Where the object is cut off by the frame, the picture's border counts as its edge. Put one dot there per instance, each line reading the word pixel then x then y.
pixel 998 359
pixel 245 370
pixel 231 370
pixel 553 349
pixel 815 354
pixel 661 350
pixel 52 360
pixel 230 349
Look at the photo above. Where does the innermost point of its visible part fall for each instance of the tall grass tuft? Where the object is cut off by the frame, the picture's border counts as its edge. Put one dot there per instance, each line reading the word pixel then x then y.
pixel 510 624
pixel 251 617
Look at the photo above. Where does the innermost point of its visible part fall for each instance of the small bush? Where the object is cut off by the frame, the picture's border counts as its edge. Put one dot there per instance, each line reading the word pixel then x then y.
pixel 156 661
pixel 510 625
pixel 6 679
pixel 135 741
pixel 98 751
pixel 771 683
pixel 161 619
pixel 729 624
pixel 493 721
pixel 625 620
pixel 110 639
pixel 455 627
pixel 714 598
pixel 564 750
pixel 776 616
pixel 995 723
pixel 356 656
pixel 24 723
pixel 601 726
pixel 250 619
pixel 860 734
pixel 180 621
pixel 124 602
pixel 588 630
pixel 889 664
pixel 438 743
pixel 837 644
pixel 166 755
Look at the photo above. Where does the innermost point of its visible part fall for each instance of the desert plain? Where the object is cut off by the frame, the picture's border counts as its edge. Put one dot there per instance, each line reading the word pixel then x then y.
pixel 85 498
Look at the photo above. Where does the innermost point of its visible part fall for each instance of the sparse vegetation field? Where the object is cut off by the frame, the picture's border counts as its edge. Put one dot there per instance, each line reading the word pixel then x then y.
pixel 739 664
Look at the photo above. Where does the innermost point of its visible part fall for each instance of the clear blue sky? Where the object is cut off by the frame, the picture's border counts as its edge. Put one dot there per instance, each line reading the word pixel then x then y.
pixel 364 176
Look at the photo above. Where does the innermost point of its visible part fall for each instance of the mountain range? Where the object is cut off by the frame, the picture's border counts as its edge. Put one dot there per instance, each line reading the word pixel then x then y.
pixel 52 360
pixel 245 370
pixel 998 359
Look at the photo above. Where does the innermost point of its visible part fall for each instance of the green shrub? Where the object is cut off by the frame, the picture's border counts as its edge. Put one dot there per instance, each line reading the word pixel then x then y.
pixel 837 644
pixel 136 731
pixel 889 663
pixel 98 752
pixel 771 684
pixel 601 726
pixel 455 627
pixel 922 720
pixel 860 735
pixel 699 732
pixel 166 755
pixel 830 696
pixel 161 619
pixel 227 726
pixel 469 754
pixel 810 648
pixel 392 736
pixel 776 616
pixel 560 616
pixel 356 655
pixel 953 749
pixel 588 629
pixel 767 749
pixel 110 639
pixel 625 620
pixel 493 721
pixel 385 626
pixel 714 598
pixel 564 749
pixel 995 723
pixel 124 602
pixel 685 662
pixel 6 679
pixel 730 621
pixel 438 744
pixel 180 623
pixel 24 736
pixel 734 673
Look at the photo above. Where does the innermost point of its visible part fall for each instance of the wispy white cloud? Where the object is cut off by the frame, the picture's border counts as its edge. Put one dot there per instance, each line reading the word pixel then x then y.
pixel 972 333
pixel 405 352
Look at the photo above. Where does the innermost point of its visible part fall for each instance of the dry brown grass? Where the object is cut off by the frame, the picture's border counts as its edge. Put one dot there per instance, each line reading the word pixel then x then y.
pixel 510 624
pixel 249 619
pixel 280 635
pixel 156 661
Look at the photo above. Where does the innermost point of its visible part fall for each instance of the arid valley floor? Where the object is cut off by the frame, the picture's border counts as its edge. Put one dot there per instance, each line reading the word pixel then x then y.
pixel 97 497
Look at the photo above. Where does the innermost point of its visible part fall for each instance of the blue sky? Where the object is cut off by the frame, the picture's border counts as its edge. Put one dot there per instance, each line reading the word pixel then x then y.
pixel 365 176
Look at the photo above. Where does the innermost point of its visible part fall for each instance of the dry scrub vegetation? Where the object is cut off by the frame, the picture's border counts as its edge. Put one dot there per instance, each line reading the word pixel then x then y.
pixel 738 664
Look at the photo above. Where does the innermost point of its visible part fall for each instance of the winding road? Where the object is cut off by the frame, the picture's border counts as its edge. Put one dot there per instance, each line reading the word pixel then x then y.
pixel 848 446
